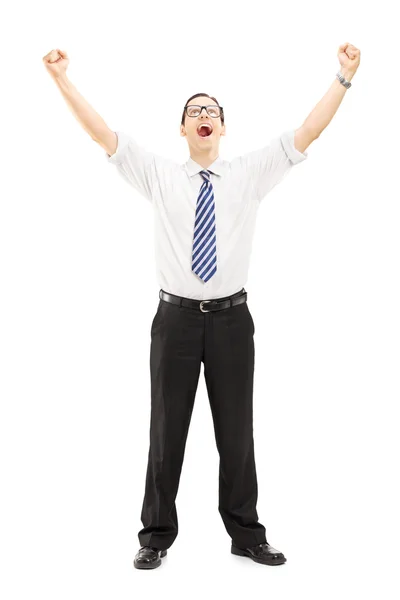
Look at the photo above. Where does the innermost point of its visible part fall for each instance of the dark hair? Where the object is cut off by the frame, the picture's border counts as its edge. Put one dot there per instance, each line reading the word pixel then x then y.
pixel 208 96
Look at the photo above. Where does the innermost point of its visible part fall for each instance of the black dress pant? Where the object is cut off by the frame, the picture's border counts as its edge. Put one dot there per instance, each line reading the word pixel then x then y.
pixel 182 338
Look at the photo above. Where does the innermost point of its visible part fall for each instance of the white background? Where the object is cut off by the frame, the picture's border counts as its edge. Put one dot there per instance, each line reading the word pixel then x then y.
pixel 79 292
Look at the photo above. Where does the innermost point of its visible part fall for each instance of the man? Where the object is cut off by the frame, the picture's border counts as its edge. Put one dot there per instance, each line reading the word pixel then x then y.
pixel 205 213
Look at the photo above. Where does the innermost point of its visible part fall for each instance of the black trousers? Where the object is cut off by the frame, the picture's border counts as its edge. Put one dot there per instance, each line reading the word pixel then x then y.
pixel 182 338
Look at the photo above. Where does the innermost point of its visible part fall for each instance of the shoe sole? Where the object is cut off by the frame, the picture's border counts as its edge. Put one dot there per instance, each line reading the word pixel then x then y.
pixel 153 565
pixel 272 562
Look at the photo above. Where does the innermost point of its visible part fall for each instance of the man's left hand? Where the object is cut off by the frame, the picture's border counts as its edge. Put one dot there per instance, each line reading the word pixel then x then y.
pixel 349 58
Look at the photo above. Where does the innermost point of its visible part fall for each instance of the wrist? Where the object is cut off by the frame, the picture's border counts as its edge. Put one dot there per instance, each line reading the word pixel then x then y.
pixel 60 77
pixel 62 82
pixel 348 75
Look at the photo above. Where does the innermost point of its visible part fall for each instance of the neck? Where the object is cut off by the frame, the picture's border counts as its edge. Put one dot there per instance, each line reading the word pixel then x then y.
pixel 204 159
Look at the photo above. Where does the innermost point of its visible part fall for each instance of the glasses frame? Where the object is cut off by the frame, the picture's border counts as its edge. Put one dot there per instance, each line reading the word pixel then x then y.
pixel 201 110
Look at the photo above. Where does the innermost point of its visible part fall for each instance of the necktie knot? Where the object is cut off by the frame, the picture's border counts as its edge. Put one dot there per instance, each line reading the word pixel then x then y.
pixel 205 175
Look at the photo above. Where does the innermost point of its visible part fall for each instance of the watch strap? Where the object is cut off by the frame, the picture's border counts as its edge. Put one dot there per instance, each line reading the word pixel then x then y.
pixel 342 80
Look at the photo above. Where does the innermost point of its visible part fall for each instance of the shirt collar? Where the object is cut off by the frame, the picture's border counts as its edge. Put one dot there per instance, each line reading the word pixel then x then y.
pixel 218 167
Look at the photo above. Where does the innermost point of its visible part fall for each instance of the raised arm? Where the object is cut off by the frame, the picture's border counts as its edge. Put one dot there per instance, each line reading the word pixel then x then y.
pixel 139 167
pixel 56 63
pixel 322 114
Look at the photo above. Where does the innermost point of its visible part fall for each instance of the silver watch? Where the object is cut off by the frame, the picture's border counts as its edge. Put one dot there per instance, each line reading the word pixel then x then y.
pixel 342 80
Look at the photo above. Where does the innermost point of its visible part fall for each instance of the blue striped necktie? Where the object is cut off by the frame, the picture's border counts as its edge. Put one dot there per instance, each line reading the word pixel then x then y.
pixel 204 255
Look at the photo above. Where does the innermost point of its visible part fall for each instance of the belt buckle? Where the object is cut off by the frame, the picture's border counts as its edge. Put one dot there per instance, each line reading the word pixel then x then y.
pixel 201 305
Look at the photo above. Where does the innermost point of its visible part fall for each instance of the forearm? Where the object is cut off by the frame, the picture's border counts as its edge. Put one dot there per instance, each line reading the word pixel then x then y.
pixel 84 113
pixel 324 111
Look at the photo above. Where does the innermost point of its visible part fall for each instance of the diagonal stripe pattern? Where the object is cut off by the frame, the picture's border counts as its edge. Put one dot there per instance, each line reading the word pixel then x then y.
pixel 204 254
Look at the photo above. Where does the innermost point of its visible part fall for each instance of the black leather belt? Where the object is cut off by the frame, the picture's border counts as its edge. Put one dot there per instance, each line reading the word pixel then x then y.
pixel 213 304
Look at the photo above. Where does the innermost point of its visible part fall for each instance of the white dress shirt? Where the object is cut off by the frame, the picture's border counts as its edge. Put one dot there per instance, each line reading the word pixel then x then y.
pixel 172 188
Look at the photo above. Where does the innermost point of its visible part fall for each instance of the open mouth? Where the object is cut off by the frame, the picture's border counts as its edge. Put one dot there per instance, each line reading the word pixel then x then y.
pixel 204 130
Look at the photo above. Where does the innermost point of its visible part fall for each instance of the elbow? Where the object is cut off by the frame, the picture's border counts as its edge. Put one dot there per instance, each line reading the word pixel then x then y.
pixel 313 133
pixel 304 136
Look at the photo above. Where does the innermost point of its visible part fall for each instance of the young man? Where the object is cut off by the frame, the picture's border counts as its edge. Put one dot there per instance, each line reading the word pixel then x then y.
pixel 205 213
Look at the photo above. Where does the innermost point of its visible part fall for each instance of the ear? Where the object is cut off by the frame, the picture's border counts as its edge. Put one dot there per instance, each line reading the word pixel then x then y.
pixel 183 131
pixel 223 130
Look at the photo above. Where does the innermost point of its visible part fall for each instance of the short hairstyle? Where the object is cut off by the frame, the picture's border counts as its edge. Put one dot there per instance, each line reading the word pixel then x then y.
pixel 208 96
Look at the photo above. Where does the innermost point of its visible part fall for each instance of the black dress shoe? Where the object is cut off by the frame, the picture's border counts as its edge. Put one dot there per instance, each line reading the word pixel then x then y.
pixel 262 553
pixel 148 557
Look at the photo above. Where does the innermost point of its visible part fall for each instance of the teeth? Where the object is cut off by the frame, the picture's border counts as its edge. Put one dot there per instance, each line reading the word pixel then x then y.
pixel 204 125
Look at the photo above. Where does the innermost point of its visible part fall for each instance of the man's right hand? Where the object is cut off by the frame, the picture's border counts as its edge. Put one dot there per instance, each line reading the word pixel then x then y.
pixel 56 62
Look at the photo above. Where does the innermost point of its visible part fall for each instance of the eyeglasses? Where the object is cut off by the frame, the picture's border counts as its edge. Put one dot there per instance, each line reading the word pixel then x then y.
pixel 194 110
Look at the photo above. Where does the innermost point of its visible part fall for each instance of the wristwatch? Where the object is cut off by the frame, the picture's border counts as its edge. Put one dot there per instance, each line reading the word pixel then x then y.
pixel 342 80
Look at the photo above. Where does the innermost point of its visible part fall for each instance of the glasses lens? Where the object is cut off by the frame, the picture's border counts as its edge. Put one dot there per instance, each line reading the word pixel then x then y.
pixel 194 110
pixel 213 111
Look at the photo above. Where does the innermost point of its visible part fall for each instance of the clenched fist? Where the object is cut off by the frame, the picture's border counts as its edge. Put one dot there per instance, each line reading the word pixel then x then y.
pixel 349 58
pixel 56 62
